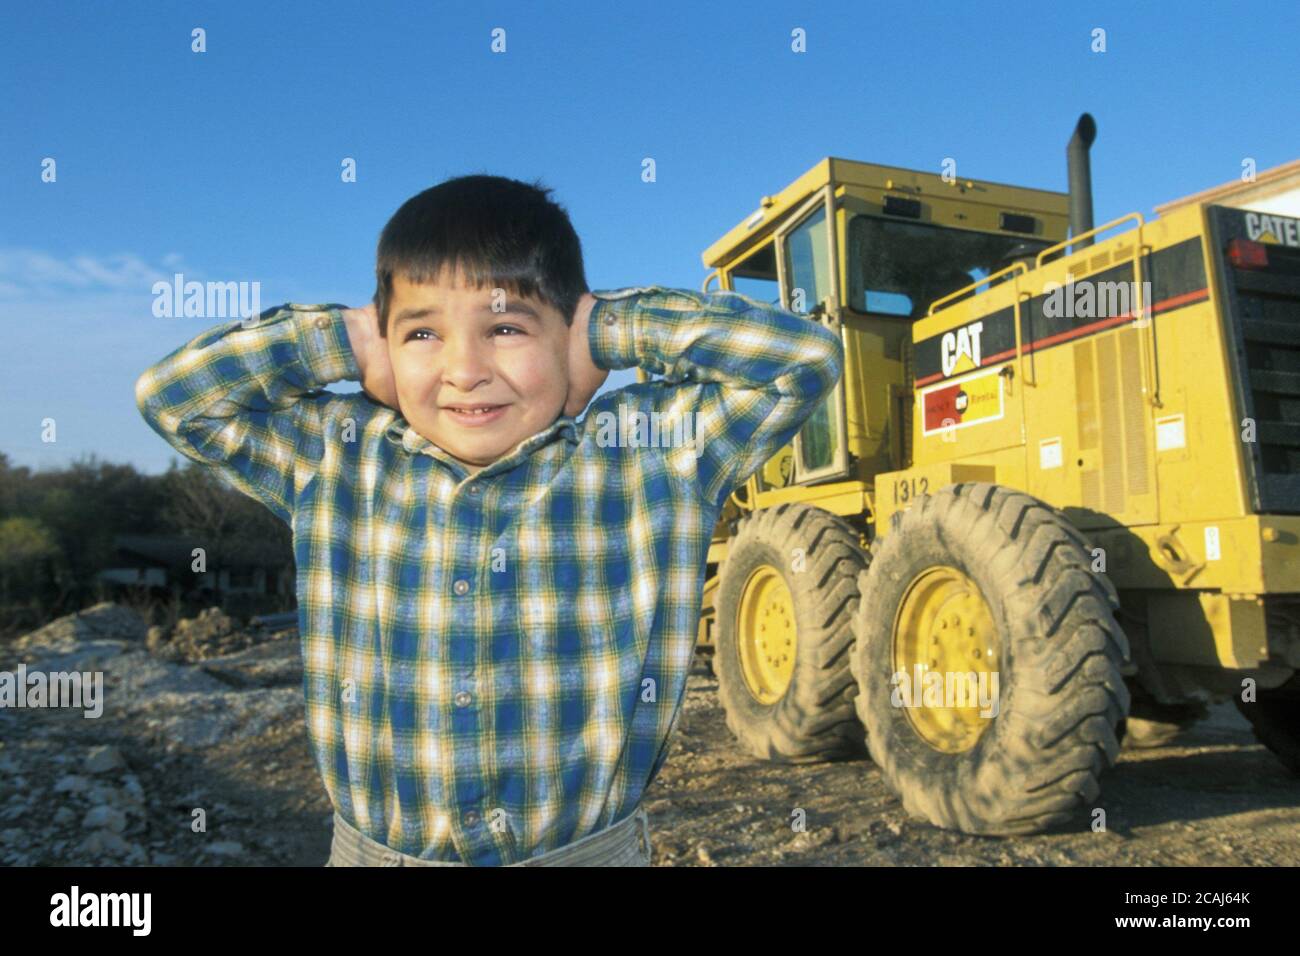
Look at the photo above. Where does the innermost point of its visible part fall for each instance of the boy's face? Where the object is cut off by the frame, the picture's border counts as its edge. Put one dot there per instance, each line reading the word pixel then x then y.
pixel 450 351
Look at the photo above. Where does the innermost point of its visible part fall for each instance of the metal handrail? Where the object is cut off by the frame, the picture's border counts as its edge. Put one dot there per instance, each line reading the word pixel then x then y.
pixel 1141 307
pixel 1024 316
pixel 1146 317
pixel 975 285
pixel 1074 240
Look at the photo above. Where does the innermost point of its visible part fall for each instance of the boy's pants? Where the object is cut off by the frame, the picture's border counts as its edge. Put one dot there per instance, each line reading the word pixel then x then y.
pixel 626 843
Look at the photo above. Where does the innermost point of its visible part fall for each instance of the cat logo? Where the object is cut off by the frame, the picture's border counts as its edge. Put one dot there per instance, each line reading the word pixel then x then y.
pixel 963 343
pixel 1273 229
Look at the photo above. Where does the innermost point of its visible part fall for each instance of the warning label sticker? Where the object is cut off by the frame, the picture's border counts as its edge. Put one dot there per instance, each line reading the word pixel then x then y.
pixel 969 401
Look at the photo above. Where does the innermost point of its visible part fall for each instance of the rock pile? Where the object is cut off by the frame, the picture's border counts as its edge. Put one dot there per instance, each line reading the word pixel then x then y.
pixel 71 788
pixel 106 624
pixel 214 633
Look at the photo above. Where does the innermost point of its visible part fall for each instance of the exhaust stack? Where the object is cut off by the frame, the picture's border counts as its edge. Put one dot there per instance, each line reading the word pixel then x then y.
pixel 1080 173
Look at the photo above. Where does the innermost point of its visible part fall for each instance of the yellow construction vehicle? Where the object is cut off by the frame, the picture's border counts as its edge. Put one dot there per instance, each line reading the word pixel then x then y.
pixel 1058 485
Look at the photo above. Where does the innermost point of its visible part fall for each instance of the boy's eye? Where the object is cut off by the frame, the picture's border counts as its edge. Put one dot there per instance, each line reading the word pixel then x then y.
pixel 423 335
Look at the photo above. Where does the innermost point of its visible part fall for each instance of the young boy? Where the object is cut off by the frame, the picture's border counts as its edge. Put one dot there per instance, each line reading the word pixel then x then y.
pixel 497 603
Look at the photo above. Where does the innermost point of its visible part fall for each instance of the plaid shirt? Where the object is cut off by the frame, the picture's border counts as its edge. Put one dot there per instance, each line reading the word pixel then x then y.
pixel 494 664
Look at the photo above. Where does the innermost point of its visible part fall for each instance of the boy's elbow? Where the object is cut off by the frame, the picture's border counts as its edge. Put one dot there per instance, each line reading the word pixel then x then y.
pixel 814 379
pixel 143 391
pixel 148 400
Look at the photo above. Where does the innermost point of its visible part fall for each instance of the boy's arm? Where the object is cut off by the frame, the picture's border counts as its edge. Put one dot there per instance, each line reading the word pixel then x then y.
pixel 247 398
pixel 758 371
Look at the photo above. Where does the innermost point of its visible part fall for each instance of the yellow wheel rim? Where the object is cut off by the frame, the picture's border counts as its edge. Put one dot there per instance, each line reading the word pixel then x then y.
pixel 765 635
pixel 945 626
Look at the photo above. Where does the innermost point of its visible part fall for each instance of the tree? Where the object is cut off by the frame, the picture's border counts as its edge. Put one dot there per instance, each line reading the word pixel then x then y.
pixel 221 520
pixel 27 551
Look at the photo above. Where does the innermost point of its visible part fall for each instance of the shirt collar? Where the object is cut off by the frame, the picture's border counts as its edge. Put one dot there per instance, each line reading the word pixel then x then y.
pixel 402 434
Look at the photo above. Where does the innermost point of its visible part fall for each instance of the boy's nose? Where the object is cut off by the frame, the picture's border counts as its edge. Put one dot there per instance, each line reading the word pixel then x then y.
pixel 464 364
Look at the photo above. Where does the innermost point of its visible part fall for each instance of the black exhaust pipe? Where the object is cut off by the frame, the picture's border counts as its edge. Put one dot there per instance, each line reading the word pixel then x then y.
pixel 1080 172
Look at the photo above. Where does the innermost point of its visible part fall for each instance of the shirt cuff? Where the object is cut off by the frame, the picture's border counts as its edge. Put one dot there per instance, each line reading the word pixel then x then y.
pixel 323 338
pixel 613 332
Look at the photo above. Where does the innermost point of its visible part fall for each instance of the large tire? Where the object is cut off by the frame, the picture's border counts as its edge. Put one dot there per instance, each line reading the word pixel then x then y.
pixel 1275 717
pixel 813 718
pixel 1037 760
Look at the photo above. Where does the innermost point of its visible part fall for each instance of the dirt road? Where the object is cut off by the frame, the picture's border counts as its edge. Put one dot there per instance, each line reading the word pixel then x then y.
pixel 1215 798
pixel 228 738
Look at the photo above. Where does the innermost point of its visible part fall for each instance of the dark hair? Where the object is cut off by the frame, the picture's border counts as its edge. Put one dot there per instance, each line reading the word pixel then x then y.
pixel 501 232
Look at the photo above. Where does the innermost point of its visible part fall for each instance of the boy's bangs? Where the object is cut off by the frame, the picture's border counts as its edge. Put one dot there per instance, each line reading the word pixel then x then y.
pixel 517 279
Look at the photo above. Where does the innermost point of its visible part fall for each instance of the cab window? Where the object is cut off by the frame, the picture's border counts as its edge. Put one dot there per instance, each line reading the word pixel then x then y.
pixel 901 268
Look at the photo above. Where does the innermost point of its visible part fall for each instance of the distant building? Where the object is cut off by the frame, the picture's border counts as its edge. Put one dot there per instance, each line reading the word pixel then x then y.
pixel 166 562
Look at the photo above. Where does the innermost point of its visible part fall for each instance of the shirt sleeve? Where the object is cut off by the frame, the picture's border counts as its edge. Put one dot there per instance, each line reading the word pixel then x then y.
pixel 247 398
pixel 752 373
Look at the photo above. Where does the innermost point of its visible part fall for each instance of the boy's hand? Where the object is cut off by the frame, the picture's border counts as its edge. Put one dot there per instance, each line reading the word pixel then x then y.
pixel 371 352
pixel 585 377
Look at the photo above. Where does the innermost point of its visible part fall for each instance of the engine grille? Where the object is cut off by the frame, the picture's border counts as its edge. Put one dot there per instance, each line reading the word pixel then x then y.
pixel 1263 308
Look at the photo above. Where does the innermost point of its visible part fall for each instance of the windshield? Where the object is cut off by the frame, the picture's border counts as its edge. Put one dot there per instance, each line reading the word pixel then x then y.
pixel 899 268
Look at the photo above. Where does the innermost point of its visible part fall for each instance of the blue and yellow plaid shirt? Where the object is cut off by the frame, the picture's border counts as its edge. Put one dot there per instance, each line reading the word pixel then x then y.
pixel 494 664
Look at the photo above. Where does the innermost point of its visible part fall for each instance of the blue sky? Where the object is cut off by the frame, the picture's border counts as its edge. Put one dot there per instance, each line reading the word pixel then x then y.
pixel 225 165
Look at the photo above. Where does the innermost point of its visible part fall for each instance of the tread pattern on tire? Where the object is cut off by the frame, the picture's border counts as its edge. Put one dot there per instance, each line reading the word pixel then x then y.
pixel 816 718
pixel 1040 760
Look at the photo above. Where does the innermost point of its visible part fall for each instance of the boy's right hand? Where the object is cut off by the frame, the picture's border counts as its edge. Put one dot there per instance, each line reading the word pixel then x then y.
pixel 371 351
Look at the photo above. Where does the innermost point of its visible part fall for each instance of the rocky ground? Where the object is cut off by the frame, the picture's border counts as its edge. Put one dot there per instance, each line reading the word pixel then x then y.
pixel 207 725
pixel 1214 798
pixel 196 759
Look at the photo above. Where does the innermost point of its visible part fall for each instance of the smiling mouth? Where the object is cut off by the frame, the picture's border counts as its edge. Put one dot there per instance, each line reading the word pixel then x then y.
pixel 472 409
pixel 478 415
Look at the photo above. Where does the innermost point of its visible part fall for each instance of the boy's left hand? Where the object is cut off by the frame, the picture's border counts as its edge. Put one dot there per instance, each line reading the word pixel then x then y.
pixel 584 375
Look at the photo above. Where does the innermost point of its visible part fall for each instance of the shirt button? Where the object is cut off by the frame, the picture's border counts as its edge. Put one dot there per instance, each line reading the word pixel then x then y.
pixel 322 321
pixel 471 818
pixel 473 489
pixel 463 698
pixel 461 586
pixel 610 318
